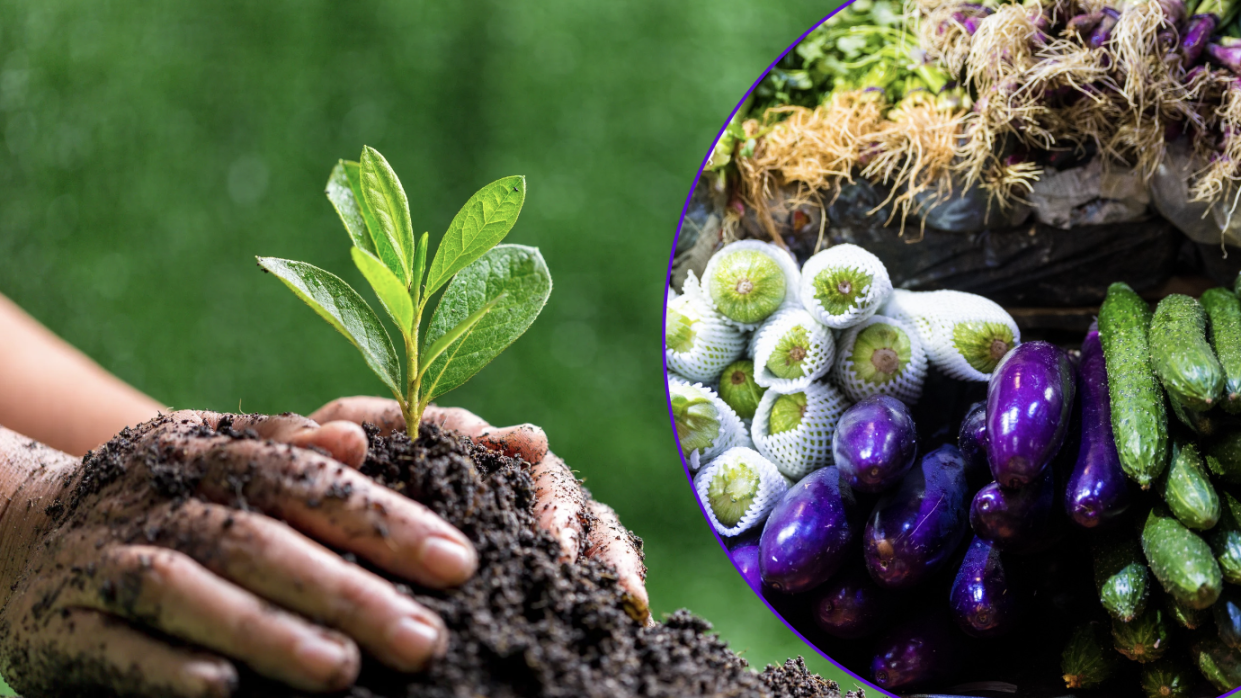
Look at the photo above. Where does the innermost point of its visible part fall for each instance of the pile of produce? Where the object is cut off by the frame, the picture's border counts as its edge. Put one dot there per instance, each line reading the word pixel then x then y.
pixel 986 104
pixel 938 505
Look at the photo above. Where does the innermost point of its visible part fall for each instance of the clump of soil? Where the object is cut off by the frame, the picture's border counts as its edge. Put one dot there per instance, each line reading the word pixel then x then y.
pixel 527 625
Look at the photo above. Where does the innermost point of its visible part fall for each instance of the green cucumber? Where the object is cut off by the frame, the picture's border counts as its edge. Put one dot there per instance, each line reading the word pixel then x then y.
pixel 1224 457
pixel 1180 354
pixel 1188 490
pixel 1184 616
pixel 1120 575
pixel 1168 678
pixel 1087 660
pixel 1224 311
pixel 1219 663
pixel 1226 539
pixel 1202 422
pixel 1181 561
pixel 1139 420
pixel 1144 639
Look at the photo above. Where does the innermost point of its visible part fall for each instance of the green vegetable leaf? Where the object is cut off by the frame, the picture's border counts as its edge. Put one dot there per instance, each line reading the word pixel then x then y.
pixel 383 246
pixel 345 310
pixel 438 346
pixel 517 272
pixel 479 226
pixel 391 291
pixel 386 198
pixel 346 205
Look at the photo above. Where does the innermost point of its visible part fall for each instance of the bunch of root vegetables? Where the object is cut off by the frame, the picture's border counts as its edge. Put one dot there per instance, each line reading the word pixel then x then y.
pixel 944 97
pixel 1082 523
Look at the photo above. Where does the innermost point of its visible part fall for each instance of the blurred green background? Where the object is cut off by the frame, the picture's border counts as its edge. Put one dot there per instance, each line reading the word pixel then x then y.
pixel 150 150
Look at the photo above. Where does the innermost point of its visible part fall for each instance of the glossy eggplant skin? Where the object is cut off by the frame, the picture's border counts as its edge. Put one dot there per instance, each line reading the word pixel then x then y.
pixel 809 533
pixel 852 605
pixel 912 531
pixel 1097 490
pixel 875 443
pixel 1015 520
pixel 972 442
pixel 983 600
pixel 1029 403
pixel 924 650
pixel 745 559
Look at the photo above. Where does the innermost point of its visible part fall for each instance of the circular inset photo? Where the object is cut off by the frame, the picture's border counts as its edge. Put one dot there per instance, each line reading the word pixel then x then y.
pixel 953 345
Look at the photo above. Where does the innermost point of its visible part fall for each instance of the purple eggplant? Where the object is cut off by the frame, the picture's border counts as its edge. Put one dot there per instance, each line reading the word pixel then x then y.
pixel 852 605
pixel 1029 404
pixel 1016 520
pixel 1097 490
pixel 913 531
pixel 925 650
pixel 972 442
pixel 875 443
pixel 809 533
pixel 745 559
pixel 983 600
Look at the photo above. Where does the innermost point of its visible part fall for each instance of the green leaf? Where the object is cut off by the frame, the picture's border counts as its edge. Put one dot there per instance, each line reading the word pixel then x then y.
pixel 479 226
pixel 517 272
pixel 420 267
pixel 383 246
pixel 438 346
pixel 345 310
pixel 392 293
pixel 346 205
pixel 386 198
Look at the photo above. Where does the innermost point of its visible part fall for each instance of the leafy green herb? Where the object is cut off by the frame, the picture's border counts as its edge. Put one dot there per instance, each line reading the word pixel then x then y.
pixel 494 292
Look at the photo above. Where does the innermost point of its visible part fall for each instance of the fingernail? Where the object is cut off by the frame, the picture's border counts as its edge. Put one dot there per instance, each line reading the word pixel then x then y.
pixel 334 663
pixel 415 641
pixel 450 561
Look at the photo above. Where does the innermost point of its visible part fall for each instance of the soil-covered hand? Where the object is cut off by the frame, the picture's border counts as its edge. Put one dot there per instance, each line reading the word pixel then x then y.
pixel 195 543
pixel 564 508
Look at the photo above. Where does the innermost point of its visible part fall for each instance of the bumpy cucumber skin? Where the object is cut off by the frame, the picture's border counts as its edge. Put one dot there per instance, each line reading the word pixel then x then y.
pixel 1087 660
pixel 1224 457
pixel 1181 561
pixel 1139 419
pixel 1144 639
pixel 1226 539
pixel 1202 422
pixel 1121 576
pixel 1224 310
pixel 1180 355
pixel 1167 678
pixel 1188 491
pixel 1189 618
pixel 1220 664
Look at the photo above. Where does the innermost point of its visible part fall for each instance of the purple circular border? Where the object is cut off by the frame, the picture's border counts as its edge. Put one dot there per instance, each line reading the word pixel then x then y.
pixel 680 224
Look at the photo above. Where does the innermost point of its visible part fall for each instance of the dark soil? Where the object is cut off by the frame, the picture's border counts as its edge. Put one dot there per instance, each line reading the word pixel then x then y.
pixel 527 625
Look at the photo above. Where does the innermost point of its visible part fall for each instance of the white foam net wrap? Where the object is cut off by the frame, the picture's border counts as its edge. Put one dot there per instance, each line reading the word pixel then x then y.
pixel 782 257
pixel 799 451
pixel 839 258
pixel 715 344
pixel 819 354
pixel 938 315
pixel 772 486
pixel 904 385
pixel 732 431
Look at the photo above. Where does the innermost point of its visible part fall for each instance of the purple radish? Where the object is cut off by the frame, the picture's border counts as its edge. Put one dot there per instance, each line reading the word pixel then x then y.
pixel 1097 489
pixel 1029 404
pixel 1197 35
pixel 913 530
pixel 1015 519
pixel 1103 30
pixel 809 533
pixel 983 600
pixel 925 650
pixel 875 443
pixel 851 606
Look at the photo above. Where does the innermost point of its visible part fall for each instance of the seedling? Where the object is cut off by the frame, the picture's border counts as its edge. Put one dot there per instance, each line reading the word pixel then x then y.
pixel 492 292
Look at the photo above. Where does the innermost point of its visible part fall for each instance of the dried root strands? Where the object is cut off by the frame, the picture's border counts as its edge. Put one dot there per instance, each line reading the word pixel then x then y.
pixel 699 344
pixel 945 31
pixel 1218 181
pixel 881 356
pixel 1149 81
pixel 705 425
pixel 747 281
pixel 1002 48
pixel 738 490
pixel 843 285
pixel 792 350
pixel 795 430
